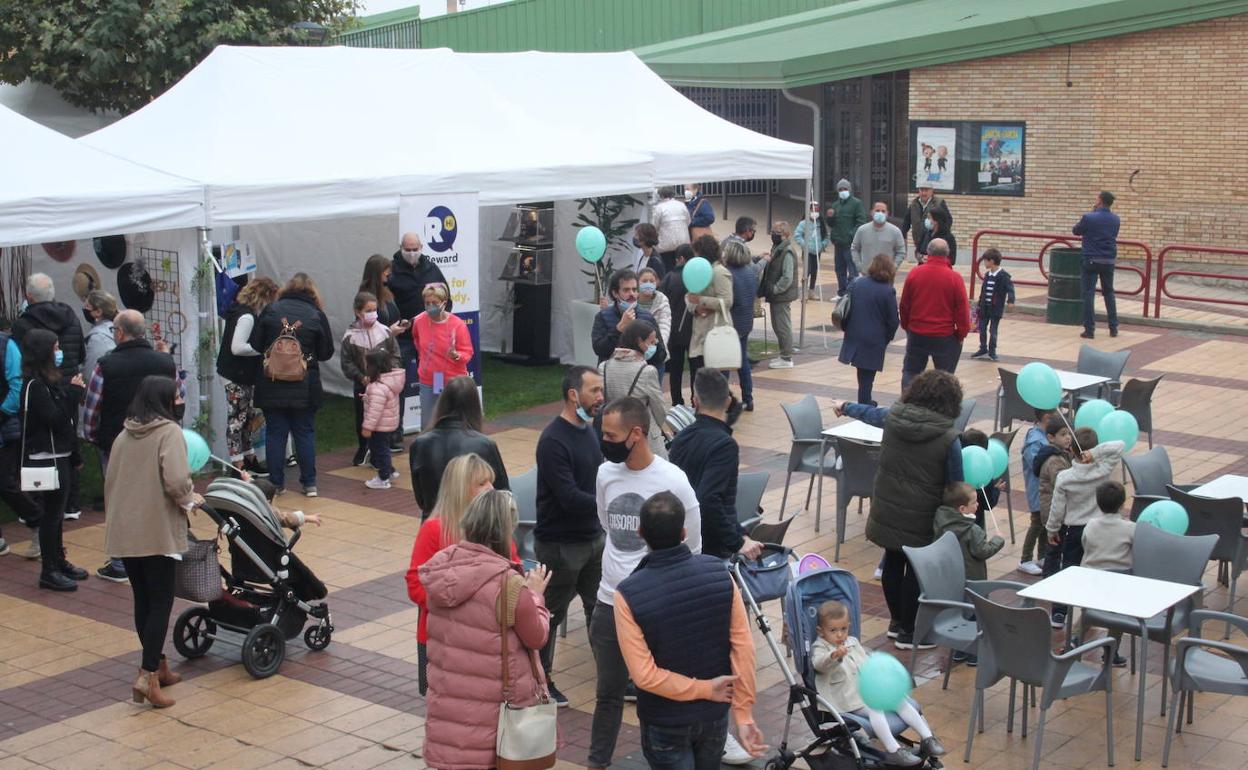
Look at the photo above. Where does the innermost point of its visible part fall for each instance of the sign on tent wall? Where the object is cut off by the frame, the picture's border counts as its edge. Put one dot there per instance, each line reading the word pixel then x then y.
pixel 447 224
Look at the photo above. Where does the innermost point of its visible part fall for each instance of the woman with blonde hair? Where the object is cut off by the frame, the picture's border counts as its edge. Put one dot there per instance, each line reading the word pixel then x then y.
pixel 238 363
pixel 443 346
pixel 290 405
pixel 466 583
pixel 465 478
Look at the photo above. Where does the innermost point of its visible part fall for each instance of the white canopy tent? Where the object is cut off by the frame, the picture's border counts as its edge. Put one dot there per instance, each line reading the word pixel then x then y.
pixel 53 188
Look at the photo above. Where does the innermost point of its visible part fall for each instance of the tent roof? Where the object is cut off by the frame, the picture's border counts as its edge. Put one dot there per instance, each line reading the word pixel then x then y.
pixel 286 134
pixel 865 37
pixel 52 188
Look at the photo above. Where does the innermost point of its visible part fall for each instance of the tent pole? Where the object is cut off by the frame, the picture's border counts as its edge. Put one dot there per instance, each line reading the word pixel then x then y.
pixel 814 185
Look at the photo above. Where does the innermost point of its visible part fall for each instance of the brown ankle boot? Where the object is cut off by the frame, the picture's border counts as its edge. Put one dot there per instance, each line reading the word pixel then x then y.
pixel 147 687
pixel 167 678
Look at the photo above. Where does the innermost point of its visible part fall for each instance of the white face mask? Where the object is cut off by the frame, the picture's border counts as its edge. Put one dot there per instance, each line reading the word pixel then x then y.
pixel 843 194
pixel 412 257
pixel 813 215
pixel 879 216
pixel 688 195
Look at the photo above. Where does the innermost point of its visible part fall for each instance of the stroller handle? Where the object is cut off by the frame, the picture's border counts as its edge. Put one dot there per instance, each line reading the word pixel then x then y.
pixel 216 517
pixel 768 548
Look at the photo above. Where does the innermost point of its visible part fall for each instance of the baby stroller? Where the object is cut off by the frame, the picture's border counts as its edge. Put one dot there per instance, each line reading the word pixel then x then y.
pixel 269 592
pixel 841 741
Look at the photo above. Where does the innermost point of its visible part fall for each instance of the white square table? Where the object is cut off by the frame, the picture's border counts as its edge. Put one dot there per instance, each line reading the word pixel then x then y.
pixel 1136 597
pixel 1224 486
pixel 856 430
pixel 1073 382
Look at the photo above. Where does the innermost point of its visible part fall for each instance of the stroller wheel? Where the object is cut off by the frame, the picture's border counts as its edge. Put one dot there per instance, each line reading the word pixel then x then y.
pixel 317 637
pixel 263 650
pixel 193 633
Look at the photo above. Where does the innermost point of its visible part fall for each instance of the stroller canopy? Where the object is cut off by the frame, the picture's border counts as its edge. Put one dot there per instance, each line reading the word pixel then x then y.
pixel 246 500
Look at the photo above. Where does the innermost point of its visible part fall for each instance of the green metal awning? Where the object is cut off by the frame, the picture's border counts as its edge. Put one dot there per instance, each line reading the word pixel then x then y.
pixel 866 37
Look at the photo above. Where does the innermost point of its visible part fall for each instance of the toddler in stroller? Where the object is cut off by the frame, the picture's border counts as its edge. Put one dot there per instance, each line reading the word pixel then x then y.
pixel 837 659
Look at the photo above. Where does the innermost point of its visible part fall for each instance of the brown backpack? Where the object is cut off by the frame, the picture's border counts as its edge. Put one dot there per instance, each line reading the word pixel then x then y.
pixel 284 360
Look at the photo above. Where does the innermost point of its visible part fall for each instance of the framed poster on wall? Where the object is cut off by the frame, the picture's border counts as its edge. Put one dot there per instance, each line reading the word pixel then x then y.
pixel 969 157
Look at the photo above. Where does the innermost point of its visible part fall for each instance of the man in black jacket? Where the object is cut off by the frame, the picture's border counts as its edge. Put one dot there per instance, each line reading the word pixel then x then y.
pixel 568 538
pixel 410 273
pixel 709 455
pixel 110 390
pixel 44 312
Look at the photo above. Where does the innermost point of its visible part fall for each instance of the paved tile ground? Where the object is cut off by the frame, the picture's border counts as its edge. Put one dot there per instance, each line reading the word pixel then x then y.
pixel 68 659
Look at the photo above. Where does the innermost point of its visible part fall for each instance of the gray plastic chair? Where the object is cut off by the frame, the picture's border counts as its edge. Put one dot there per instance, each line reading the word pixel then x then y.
pixel 1101 363
pixel 1223 517
pixel 1159 555
pixel 854 478
pixel 944 616
pixel 750 489
pixel 524 488
pixel 1137 400
pixel 1018 643
pixel 1007 438
pixel 1151 478
pixel 1203 665
pixel 1010 405
pixel 964 416
pixel 806 422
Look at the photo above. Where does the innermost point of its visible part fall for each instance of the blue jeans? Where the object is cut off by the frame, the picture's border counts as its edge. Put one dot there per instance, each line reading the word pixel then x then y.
pixel 1067 553
pixel 698 746
pixel 988 331
pixel 428 400
pixel 379 453
pixel 846 270
pixel 299 424
pixel 744 374
pixel 103 457
pixel 1105 272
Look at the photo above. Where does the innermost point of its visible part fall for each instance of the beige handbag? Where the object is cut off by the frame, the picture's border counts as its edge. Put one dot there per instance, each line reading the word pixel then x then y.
pixel 722 348
pixel 527 735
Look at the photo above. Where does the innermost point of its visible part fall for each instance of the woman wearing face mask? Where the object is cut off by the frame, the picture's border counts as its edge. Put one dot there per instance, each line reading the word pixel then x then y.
pixel 376 281
pixel 238 363
pixel 650 298
pixel 365 334
pixel 626 373
pixel 149 493
pixel 443 346
pixel 46 411
pixel 701 212
pixel 813 238
pixel 646 241
pixel 711 307
pixel 936 224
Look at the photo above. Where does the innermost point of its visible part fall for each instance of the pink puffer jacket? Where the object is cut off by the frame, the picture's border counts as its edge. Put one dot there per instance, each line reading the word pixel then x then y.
pixel 463 582
pixel 381 402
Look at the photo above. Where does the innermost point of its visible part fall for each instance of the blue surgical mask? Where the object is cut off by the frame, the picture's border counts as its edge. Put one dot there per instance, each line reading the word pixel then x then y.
pixel 582 414
pixel 58 357
pixel 843 194
pixel 880 217
pixel 650 351
pixel 433 310
pixel 648 287
pixel 927 222
pixel 22 307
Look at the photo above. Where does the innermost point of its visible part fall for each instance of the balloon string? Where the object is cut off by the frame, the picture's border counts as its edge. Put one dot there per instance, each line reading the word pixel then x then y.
pixel 1070 428
pixel 995 526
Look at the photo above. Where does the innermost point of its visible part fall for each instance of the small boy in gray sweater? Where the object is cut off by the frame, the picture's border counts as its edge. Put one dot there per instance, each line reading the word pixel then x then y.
pixel 1107 539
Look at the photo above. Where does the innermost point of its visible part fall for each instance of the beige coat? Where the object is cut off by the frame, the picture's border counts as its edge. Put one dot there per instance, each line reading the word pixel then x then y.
pixel 147 486
pixel 619 372
pixel 836 681
pixel 720 289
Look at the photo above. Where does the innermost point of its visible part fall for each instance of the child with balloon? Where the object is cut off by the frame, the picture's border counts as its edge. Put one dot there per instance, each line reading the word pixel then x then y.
pixel 957 515
pixel 853 682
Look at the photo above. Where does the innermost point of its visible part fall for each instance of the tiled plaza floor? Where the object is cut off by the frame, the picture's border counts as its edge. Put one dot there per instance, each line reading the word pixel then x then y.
pixel 67 660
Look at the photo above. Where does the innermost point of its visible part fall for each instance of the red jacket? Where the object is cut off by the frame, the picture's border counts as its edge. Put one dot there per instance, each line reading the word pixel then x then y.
pixel 434 341
pixel 933 301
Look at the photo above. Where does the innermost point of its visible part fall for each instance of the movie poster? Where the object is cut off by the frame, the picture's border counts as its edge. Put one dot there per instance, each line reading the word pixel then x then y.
pixel 1000 159
pixel 935 158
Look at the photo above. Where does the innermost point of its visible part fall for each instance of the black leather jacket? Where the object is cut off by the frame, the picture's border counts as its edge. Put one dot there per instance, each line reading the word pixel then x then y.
pixel 434 449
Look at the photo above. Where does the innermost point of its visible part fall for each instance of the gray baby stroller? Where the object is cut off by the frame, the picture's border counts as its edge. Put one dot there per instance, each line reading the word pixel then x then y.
pixel 841 741
pixel 269 593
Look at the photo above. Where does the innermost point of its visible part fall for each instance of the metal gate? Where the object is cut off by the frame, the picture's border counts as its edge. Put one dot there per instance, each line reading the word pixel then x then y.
pixel 752 108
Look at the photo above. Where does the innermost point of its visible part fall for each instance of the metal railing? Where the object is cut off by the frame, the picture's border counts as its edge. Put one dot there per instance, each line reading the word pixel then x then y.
pixel 1163 276
pixel 1068 241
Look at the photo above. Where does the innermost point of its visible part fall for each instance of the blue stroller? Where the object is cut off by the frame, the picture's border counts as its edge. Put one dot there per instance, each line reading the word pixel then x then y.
pixel 841 741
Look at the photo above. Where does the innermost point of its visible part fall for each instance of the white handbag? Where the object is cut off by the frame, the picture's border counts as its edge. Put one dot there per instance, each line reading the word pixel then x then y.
pixel 722 348
pixel 527 735
pixel 37 478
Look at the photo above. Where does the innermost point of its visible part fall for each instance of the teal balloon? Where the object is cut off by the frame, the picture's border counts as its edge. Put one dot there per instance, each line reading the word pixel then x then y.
pixel 1092 412
pixel 696 275
pixel 591 244
pixel 197 450
pixel 1000 457
pixel 1118 426
pixel 1167 515
pixel 977 467
pixel 1039 386
pixel 883 682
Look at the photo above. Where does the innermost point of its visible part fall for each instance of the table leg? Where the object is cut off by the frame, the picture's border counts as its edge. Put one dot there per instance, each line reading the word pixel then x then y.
pixel 1143 673
pixel 823 448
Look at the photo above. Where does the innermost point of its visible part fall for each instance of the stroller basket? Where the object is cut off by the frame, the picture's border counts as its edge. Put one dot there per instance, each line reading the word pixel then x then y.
pixel 767 577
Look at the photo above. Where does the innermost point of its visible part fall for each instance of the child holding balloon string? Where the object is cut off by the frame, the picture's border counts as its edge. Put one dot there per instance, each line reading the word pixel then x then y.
pixel 838 659
pixel 987 496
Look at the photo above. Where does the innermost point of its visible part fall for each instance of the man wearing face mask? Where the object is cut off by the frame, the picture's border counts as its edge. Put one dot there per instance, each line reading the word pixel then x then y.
pixel 920 207
pixel 568 539
pixel 630 474
pixel 879 236
pixel 779 285
pixel 410 273
pixel 620 308
pixel 845 216
pixel 112 386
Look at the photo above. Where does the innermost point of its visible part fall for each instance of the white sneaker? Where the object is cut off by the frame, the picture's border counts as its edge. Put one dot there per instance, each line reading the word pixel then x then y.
pixel 394 474
pixel 73 515
pixel 879 573
pixel 377 482
pixel 1030 568
pixel 781 363
pixel 32 551
pixel 734 754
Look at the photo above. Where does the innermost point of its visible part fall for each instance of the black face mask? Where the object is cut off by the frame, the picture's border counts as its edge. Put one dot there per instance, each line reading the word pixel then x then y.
pixel 747 240
pixel 775 239
pixel 615 451
pixel 179 411
pixel 87 315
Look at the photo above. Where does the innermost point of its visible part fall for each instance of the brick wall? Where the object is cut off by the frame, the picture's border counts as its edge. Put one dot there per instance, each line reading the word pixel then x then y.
pixel 1170 103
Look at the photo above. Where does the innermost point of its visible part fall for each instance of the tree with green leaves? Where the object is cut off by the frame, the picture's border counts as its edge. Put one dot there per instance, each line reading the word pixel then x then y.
pixel 121 54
